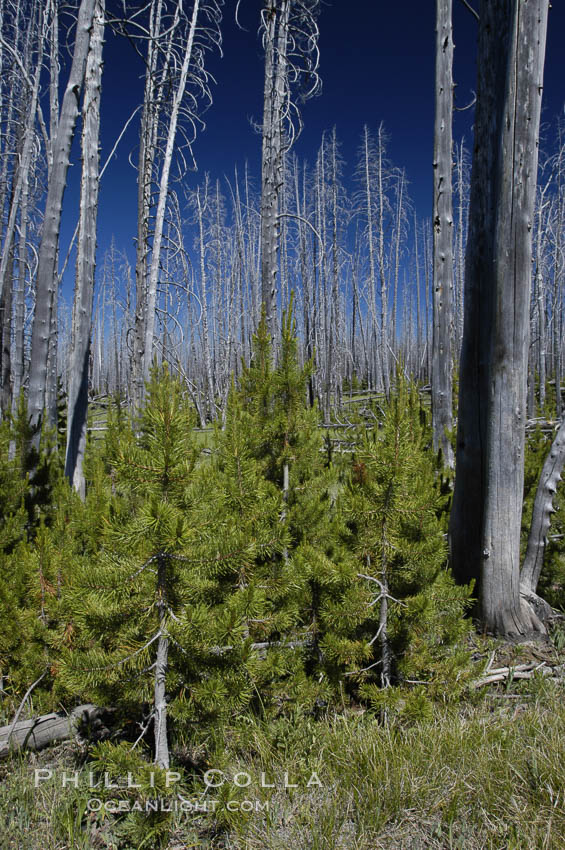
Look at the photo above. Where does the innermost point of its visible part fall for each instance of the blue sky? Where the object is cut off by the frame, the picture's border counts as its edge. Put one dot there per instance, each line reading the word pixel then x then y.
pixel 377 64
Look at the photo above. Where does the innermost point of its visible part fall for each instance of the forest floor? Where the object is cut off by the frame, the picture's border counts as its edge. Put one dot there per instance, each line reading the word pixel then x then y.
pixel 483 773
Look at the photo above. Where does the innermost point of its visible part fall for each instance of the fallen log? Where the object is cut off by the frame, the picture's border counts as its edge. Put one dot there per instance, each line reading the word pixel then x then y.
pixel 40 732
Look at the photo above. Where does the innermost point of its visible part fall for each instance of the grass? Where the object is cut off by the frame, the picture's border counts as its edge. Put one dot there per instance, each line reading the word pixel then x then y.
pixel 489 776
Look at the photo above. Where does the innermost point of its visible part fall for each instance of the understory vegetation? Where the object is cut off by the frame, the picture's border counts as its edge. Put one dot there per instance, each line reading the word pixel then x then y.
pixel 266 614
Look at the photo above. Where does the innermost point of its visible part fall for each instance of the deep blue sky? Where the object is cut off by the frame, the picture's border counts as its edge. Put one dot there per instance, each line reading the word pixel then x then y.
pixel 377 64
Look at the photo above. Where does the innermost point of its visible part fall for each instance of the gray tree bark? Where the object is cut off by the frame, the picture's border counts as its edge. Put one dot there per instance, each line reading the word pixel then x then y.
pixel 147 153
pixel 46 281
pixel 210 393
pixel 487 506
pixel 177 99
pixel 77 409
pixel 382 206
pixel 40 732
pixel 6 335
pixel 442 419
pixel 541 521
pixel 275 22
pixel 290 40
pixel 24 160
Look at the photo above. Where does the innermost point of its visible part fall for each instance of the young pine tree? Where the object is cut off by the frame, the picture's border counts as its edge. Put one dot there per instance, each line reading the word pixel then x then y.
pixel 122 602
pixel 284 437
pixel 415 611
pixel 165 614
pixel 33 538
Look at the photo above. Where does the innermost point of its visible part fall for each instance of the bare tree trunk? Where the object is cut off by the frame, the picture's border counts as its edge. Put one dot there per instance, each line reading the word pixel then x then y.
pixel 541 520
pixel 368 202
pixel 6 336
pixel 462 195
pixel 487 507
pixel 147 154
pixel 210 393
pixel 427 252
pixel 163 195
pixel 442 418
pixel 401 185
pixel 161 666
pixel 334 365
pixel 381 201
pixel 22 169
pixel 77 410
pixel 418 303
pixel 286 25
pixel 46 282
pixel 276 18
pixel 19 306
pixel 558 305
pixel 539 296
pixel 52 385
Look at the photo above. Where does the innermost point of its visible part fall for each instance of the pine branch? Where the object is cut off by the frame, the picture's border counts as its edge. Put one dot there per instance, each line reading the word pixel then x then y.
pixel 128 658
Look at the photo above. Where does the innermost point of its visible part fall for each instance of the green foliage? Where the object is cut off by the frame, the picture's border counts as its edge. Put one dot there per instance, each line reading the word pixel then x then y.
pixel 40 472
pixel 283 436
pixel 264 563
pixel 282 429
pixel 113 600
pixel 33 544
pixel 414 616
pixel 141 826
pixel 184 556
pixel 13 491
pixel 278 578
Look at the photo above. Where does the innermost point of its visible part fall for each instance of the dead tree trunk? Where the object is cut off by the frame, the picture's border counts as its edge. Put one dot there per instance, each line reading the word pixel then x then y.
pixel 290 40
pixel 46 282
pixel 276 34
pixel 443 235
pixel 86 260
pixel 6 334
pixel 210 391
pixel 147 154
pixel 21 178
pixel 154 267
pixel 382 204
pixel 487 507
pixel 541 520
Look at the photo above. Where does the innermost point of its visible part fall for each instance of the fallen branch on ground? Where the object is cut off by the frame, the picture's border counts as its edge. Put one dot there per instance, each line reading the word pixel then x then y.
pixel 520 671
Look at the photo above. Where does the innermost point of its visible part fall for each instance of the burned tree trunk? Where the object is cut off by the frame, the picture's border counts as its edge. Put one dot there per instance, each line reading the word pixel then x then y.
pixel 541 520
pixel 487 507
pixel 86 260
pixel 290 40
pixel 272 163
pixel 154 267
pixel 443 235
pixel 46 281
